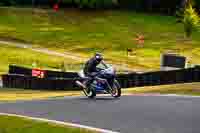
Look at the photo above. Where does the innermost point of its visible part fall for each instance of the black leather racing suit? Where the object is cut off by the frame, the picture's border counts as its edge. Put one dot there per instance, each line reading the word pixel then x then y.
pixel 90 69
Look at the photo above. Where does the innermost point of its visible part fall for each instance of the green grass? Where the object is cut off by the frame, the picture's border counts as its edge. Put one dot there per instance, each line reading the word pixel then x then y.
pixel 11 124
pixel 27 58
pixel 182 89
pixel 83 32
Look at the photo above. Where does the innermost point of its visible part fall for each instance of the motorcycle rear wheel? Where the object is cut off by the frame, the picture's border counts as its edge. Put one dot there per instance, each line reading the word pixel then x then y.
pixel 89 92
pixel 116 90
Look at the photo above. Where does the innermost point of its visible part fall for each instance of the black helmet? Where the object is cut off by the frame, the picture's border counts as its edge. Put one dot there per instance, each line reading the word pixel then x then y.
pixel 98 57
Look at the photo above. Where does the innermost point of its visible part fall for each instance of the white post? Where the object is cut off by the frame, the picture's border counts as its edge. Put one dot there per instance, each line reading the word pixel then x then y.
pixel 1 82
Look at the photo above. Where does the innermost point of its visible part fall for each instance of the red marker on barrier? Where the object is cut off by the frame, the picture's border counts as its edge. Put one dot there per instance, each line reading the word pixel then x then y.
pixel 38 73
pixel 56 7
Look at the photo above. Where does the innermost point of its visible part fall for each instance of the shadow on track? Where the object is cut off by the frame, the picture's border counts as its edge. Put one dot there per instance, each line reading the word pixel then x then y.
pixel 99 99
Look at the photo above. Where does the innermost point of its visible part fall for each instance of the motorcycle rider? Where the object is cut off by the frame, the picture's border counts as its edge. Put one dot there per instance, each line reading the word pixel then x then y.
pixel 90 70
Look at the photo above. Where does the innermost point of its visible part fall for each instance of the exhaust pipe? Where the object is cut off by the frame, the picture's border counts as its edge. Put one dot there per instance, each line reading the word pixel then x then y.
pixel 80 84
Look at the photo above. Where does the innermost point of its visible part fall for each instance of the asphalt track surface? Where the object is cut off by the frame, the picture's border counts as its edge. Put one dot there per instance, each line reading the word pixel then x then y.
pixel 129 114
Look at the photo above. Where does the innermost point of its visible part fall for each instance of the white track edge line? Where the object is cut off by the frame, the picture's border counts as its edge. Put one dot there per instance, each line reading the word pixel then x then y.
pixel 186 96
pixel 61 123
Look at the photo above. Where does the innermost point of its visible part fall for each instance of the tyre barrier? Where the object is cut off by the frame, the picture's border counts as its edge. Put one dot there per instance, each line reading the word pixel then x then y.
pixel 21 78
pixel 159 77
pixel 27 82
pixel 13 69
pixel 19 70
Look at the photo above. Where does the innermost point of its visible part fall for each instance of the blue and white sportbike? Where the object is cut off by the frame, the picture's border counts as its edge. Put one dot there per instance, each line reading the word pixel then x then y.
pixel 101 83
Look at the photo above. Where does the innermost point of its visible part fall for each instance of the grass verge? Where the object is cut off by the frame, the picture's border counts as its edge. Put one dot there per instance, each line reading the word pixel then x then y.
pixel 84 32
pixel 27 58
pixel 7 94
pixel 11 124
pixel 182 89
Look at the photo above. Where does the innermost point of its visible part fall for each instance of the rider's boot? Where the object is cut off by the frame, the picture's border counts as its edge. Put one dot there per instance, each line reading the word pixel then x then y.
pixel 87 84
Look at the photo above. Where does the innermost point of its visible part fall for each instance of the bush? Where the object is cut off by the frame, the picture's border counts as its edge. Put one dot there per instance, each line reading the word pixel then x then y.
pixel 25 2
pixel 99 4
pixel 91 4
pixel 109 3
pixel 131 4
pixel 66 1
pixel 191 20
pixel 77 2
pixel 7 2
pixel 163 6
